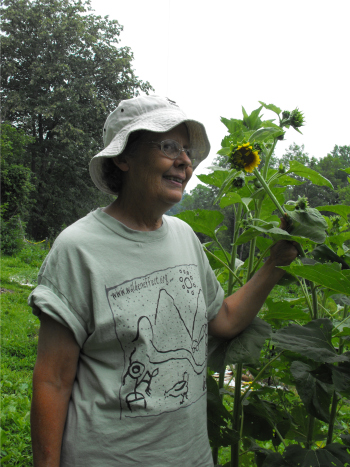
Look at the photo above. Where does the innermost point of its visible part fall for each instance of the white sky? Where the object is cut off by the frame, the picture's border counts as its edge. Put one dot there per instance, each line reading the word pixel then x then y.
pixel 213 57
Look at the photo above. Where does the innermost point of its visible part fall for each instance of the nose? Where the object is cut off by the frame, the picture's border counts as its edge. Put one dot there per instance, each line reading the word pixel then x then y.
pixel 183 159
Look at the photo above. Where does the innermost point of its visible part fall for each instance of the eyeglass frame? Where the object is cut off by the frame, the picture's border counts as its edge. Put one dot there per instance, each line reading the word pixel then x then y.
pixel 160 145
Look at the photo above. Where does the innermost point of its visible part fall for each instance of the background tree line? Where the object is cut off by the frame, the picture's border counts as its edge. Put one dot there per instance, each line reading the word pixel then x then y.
pixel 62 73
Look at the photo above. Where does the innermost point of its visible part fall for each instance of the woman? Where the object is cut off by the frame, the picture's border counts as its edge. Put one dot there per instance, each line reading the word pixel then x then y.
pixel 126 300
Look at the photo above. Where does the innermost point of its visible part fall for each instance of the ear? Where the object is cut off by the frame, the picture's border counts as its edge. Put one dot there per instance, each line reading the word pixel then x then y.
pixel 121 162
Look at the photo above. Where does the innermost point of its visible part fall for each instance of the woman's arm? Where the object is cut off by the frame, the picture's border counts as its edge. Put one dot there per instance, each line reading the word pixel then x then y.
pixel 53 379
pixel 239 309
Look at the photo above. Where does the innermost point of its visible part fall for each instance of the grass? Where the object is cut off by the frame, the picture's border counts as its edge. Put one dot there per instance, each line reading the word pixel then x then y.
pixel 19 335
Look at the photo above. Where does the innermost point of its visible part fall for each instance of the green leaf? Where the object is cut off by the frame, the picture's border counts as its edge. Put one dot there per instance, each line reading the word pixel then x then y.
pixel 216 178
pixel 339 451
pixel 313 340
pixel 346 170
pixel 264 134
pixel 217 416
pixel 340 238
pixel 246 347
pixel 322 274
pixel 216 353
pixel 340 209
pixel 324 254
pixel 286 180
pixel 283 310
pixel 224 152
pixel 299 169
pixel 308 223
pixel 298 456
pixel 341 378
pixel 229 199
pixel 275 233
pixel 202 220
pixel 233 125
pixel 272 107
pixel 312 392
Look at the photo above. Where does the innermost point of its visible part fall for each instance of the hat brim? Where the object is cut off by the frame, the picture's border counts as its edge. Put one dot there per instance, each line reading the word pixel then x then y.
pixel 162 121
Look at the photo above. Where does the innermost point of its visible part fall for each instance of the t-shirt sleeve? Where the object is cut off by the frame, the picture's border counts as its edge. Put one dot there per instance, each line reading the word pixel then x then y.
pixel 61 292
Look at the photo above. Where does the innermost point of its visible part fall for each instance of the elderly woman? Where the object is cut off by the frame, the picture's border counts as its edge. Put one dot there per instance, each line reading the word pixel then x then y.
pixel 126 299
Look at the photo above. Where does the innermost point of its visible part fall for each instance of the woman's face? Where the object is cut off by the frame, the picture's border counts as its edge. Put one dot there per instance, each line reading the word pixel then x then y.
pixel 153 177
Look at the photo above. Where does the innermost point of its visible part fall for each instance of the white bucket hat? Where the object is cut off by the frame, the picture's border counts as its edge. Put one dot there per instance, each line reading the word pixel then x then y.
pixel 151 113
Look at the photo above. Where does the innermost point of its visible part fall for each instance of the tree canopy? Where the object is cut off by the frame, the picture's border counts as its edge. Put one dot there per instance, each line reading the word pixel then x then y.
pixel 63 72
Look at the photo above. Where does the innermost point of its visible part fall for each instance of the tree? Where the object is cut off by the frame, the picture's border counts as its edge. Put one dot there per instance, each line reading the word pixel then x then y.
pixel 16 187
pixel 62 74
pixel 329 167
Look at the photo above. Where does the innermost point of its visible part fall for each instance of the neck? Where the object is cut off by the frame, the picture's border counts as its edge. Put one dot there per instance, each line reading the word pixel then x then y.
pixel 136 215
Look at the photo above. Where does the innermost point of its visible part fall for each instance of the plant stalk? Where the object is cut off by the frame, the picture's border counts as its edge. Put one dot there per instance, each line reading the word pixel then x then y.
pixel 237 409
pixel 221 385
pixel 310 432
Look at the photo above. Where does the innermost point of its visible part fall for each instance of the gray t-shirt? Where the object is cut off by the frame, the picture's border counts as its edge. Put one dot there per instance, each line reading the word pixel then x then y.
pixel 138 304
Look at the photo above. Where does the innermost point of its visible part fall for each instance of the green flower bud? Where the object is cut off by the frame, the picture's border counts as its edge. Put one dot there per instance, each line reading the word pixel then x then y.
pixel 285 115
pixel 296 118
pixel 257 183
pixel 302 203
pixel 281 169
pixel 239 181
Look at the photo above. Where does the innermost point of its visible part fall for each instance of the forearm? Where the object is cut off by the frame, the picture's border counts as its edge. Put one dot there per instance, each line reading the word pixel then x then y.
pixel 48 416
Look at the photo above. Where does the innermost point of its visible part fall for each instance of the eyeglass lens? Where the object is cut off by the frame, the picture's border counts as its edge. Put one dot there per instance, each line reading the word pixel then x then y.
pixel 173 149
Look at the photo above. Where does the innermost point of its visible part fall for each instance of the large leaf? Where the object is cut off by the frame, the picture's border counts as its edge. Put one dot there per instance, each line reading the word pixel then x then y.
pixel 322 274
pixel 317 179
pixel 315 395
pixel 283 310
pixel 339 239
pixel 274 232
pixel 216 178
pixel 217 416
pixel 323 254
pixel 202 220
pixel 339 451
pixel 341 378
pixel 216 353
pixel 343 211
pixel 272 107
pixel 229 199
pixel 286 180
pixel 295 455
pixel 246 347
pixel 264 134
pixel 308 223
pixel 312 340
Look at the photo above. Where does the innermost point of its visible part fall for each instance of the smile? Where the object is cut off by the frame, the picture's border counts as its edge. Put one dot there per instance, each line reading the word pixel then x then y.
pixel 174 179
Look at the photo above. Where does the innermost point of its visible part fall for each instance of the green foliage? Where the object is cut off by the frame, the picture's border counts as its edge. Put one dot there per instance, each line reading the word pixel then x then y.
pixel 296 408
pixel 16 188
pixel 18 346
pixel 62 73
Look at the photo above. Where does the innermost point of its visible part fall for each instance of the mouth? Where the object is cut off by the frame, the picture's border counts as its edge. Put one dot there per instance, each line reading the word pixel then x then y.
pixel 174 179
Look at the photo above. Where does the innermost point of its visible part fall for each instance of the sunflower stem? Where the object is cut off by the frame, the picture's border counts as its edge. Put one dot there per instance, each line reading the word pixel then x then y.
pixel 269 192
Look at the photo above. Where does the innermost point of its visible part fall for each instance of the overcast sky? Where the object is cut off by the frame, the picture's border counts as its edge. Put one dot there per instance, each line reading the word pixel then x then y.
pixel 213 57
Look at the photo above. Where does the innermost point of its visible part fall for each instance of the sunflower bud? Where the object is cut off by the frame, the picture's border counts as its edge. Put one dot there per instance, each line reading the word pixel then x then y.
pixel 302 203
pixel 296 118
pixel 239 181
pixel 281 169
pixel 285 115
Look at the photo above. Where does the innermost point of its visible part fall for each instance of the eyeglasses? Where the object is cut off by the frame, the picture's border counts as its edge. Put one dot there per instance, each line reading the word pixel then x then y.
pixel 172 149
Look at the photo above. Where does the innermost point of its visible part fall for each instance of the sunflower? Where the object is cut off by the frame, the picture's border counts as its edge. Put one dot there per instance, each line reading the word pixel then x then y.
pixel 244 156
